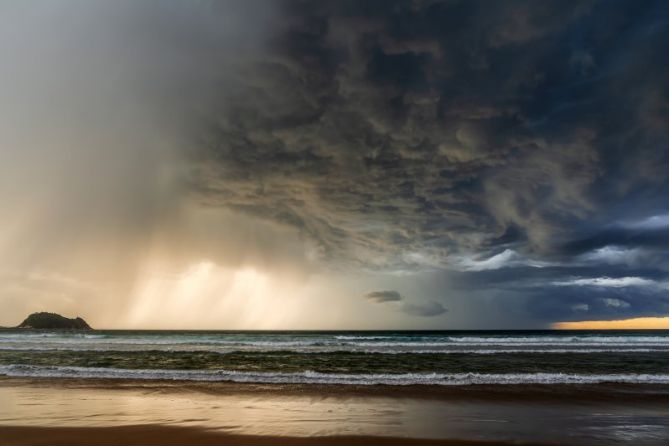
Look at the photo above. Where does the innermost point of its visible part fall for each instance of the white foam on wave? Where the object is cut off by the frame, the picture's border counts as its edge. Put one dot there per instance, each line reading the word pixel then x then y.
pixel 285 345
pixel 366 343
pixel 540 339
pixel 310 377
pixel 323 350
pixel 510 344
pixel 27 336
pixel 95 339
pixel 358 338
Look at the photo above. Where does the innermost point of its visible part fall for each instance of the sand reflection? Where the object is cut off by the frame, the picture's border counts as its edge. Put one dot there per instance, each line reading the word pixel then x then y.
pixel 293 414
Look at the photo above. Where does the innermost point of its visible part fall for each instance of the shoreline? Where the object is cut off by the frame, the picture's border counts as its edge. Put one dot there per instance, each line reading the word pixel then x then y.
pixel 142 435
pixel 549 393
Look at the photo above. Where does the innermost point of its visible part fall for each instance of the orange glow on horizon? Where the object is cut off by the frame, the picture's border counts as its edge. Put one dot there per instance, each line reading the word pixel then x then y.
pixel 639 323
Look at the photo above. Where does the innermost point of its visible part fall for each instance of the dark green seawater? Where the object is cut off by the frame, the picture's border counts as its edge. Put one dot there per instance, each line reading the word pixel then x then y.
pixel 393 358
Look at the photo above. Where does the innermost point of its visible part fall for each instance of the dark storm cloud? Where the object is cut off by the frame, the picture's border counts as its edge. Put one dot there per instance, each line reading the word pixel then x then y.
pixel 449 135
pixel 383 296
pixel 652 238
pixel 517 150
pixel 426 309
pixel 608 303
pixel 575 292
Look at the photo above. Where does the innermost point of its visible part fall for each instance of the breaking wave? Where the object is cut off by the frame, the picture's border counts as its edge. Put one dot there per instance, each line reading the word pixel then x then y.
pixel 310 377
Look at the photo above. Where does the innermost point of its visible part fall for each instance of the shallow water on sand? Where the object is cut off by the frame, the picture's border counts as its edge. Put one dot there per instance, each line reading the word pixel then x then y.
pixel 294 414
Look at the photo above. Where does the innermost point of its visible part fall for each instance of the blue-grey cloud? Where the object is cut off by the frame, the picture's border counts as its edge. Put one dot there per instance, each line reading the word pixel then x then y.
pixel 427 309
pixel 461 137
pixel 517 150
pixel 383 296
pixel 424 310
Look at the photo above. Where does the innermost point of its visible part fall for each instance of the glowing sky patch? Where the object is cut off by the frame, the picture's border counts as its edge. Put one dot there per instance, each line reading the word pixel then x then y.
pixel 641 323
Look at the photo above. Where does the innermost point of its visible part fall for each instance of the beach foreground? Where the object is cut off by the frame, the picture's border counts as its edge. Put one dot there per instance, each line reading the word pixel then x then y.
pixel 557 388
pixel 101 412
pixel 178 436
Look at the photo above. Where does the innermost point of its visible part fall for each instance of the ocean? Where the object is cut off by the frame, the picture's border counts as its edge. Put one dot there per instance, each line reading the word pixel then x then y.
pixel 392 358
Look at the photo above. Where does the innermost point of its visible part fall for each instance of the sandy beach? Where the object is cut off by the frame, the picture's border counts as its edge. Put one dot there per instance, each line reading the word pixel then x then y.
pixel 69 425
pixel 178 436
pixel 111 412
pixel 510 393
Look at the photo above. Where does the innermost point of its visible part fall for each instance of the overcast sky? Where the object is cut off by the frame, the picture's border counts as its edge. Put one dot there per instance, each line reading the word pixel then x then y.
pixel 334 164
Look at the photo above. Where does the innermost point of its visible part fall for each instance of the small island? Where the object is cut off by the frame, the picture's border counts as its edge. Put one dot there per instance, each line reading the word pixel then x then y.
pixel 53 321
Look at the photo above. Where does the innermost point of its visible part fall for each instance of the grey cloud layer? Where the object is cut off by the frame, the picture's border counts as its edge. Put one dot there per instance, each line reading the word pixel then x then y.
pixel 405 133
pixel 383 296
pixel 510 149
pixel 412 136
pixel 427 309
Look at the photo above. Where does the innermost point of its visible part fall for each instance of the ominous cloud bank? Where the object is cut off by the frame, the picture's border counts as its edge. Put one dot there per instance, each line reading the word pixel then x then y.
pixel 510 156
pixel 429 309
pixel 380 297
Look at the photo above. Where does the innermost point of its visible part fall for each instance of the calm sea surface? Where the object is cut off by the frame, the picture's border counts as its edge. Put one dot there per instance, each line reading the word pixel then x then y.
pixel 362 358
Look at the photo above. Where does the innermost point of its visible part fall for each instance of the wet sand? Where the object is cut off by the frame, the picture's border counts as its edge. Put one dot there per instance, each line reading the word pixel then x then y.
pixel 180 436
pixel 513 393
pixel 101 412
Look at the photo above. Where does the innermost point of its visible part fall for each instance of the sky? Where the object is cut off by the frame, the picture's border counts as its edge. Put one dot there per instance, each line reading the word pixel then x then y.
pixel 388 164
